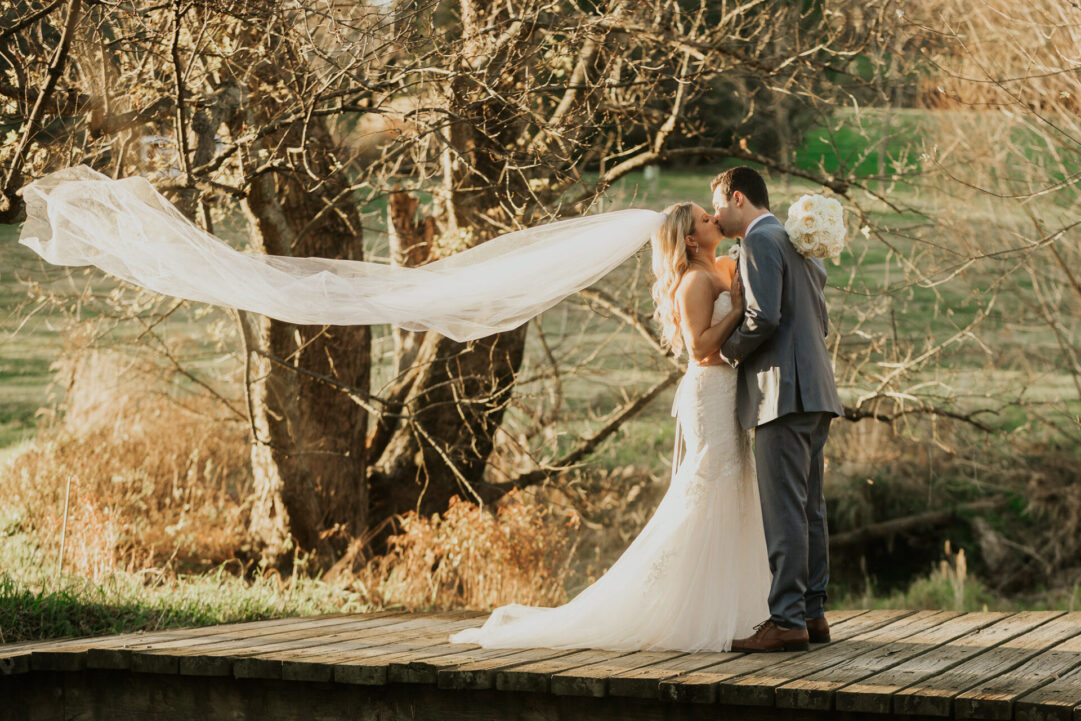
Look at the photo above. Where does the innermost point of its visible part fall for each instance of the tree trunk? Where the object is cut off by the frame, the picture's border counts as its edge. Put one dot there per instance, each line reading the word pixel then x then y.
pixel 456 401
pixel 450 396
pixel 307 457
pixel 410 245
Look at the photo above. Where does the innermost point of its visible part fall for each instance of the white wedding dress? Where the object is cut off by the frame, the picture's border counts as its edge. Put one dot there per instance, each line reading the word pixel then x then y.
pixel 697 575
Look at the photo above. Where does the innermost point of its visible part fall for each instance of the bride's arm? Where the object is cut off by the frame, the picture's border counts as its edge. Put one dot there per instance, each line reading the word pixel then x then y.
pixel 695 299
pixel 730 322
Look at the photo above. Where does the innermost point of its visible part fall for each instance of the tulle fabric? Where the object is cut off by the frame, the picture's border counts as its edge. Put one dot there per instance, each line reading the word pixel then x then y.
pixel 78 216
pixel 697 575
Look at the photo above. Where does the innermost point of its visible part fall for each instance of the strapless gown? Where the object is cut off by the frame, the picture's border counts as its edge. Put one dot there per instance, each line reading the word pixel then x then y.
pixel 697 575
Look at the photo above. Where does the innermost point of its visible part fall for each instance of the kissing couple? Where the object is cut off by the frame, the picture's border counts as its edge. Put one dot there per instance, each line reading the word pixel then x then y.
pixel 736 555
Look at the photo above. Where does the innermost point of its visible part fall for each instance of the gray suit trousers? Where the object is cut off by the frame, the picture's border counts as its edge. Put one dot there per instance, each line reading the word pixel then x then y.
pixel 788 454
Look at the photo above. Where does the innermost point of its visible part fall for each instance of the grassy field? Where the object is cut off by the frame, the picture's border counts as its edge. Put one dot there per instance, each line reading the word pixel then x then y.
pixel 30 342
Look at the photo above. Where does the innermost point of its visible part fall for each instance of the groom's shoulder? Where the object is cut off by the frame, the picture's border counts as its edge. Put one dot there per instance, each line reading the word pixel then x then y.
pixel 768 232
pixel 771 225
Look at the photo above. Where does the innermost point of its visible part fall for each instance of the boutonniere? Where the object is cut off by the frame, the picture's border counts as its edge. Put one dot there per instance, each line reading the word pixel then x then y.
pixel 733 252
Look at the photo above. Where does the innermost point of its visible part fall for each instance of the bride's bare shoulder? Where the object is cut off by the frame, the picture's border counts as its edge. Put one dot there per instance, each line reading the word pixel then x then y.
pixel 726 268
pixel 693 278
pixel 695 285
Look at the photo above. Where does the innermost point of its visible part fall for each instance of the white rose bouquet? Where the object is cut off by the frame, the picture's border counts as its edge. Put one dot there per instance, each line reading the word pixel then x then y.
pixel 816 226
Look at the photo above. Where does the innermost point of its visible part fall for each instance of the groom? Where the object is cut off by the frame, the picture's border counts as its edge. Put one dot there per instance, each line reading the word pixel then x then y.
pixel 786 392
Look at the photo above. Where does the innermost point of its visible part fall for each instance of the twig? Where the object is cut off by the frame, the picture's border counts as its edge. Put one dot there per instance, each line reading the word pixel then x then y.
pixel 587 446
pixel 9 204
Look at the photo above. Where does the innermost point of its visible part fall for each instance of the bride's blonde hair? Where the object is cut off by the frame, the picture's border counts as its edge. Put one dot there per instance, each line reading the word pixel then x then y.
pixel 670 261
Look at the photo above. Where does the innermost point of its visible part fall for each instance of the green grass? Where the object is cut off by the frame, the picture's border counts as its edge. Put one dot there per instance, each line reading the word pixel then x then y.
pixel 29 345
pixel 865 144
pixel 38 600
pixel 937 591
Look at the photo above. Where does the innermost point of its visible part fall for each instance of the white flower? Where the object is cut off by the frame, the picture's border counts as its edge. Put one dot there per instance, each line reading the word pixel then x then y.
pixel 733 252
pixel 816 227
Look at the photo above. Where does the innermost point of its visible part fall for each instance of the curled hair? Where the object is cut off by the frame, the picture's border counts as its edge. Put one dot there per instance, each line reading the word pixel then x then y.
pixel 747 181
pixel 670 261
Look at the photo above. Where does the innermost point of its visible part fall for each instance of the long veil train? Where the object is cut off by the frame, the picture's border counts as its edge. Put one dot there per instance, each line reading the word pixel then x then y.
pixel 77 216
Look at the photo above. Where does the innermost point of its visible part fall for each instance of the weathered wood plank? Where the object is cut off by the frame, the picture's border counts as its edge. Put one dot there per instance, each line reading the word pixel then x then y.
pixel 239 626
pixel 816 691
pixel 313 628
pixel 645 682
pixel 874 694
pixel 74 655
pixel 536 677
pixel 165 657
pixel 480 675
pixel 592 679
pixel 994 697
pixel 700 686
pixel 933 696
pixel 425 668
pixel 358 662
pixel 112 651
pixel 397 639
pixel 116 654
pixel 1059 700
pixel 836 618
pixel 67 654
pixel 759 688
pixel 352 648
pixel 408 659
pixel 422 665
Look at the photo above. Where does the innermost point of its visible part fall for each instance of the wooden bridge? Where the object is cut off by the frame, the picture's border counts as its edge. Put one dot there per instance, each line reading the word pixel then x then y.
pixel 389 666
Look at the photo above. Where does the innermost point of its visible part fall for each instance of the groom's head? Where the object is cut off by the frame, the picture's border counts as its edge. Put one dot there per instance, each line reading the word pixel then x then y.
pixel 739 196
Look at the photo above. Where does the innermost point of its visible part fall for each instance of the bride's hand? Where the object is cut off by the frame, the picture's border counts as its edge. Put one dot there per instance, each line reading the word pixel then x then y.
pixel 713 359
pixel 736 293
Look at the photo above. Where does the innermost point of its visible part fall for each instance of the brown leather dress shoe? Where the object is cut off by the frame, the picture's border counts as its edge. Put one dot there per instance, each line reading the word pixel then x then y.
pixel 768 636
pixel 818 630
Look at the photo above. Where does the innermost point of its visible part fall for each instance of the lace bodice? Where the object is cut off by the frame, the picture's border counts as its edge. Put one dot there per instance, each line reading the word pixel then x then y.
pixel 721 306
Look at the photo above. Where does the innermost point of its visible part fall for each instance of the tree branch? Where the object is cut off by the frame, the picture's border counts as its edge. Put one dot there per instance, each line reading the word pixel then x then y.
pixel 886 529
pixel 10 204
pixel 587 446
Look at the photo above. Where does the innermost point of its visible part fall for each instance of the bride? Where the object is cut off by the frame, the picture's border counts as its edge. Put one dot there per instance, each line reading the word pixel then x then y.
pixel 696 576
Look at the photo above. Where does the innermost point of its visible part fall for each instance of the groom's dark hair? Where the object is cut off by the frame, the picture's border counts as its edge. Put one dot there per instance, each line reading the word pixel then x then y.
pixel 745 180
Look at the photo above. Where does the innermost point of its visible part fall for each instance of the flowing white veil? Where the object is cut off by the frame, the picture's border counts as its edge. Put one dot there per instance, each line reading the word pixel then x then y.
pixel 78 216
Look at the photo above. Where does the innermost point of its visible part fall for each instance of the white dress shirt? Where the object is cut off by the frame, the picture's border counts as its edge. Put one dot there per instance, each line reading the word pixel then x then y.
pixel 755 222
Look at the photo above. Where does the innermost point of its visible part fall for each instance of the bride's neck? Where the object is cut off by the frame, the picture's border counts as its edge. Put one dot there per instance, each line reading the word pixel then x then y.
pixel 702 262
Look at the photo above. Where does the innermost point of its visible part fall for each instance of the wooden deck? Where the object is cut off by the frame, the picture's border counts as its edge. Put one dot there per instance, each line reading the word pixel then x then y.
pixel 881 665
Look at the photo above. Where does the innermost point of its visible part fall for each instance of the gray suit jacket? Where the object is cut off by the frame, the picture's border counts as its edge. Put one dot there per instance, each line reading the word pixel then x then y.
pixel 780 348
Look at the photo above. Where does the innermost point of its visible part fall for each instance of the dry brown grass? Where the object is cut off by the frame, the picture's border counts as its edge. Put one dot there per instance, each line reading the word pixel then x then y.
pixel 472 558
pixel 156 479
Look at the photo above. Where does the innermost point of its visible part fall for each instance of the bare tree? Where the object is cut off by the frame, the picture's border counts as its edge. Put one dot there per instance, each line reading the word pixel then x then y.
pixel 506 115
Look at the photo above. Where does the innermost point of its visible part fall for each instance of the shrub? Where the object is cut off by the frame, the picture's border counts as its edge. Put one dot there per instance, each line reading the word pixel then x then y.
pixel 152 481
pixel 472 558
